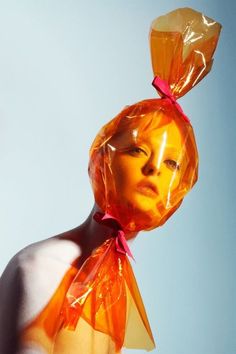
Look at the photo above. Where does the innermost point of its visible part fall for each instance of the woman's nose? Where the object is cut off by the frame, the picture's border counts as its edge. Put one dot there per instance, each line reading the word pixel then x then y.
pixel 151 169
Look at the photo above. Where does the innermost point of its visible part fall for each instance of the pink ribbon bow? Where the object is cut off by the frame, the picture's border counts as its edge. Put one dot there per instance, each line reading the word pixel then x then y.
pixel 164 90
pixel 113 223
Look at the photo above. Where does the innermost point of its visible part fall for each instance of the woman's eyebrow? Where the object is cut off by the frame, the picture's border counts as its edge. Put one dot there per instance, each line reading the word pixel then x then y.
pixel 178 154
pixel 167 147
pixel 145 140
pixel 173 150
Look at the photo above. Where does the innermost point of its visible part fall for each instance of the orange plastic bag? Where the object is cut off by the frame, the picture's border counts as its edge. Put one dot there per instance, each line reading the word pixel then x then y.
pixel 144 161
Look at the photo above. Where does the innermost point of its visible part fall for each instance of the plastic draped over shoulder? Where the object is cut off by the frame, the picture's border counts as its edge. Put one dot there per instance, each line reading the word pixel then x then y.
pixel 105 295
pixel 97 308
pixel 145 160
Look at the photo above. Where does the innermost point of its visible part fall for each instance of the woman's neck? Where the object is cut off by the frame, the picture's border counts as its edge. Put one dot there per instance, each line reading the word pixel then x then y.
pixel 92 234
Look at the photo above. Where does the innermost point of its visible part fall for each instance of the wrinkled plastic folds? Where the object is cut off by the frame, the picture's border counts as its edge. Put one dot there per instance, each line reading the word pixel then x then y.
pixel 102 306
pixel 182 46
pixel 105 294
pixel 142 164
pixel 144 161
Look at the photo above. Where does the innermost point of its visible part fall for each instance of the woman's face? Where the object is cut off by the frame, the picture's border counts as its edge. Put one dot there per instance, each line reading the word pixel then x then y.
pixel 142 164
pixel 147 167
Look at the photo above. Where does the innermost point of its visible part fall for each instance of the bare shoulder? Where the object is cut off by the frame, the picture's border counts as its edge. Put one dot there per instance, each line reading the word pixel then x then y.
pixel 50 257
pixel 52 250
pixel 35 273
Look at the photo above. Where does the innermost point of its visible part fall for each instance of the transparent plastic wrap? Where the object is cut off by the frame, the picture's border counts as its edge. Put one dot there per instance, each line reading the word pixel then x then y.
pixel 142 164
pixel 145 160
pixel 105 294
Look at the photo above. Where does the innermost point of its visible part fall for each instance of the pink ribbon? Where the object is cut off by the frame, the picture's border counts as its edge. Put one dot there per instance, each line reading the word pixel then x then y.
pixel 113 223
pixel 164 90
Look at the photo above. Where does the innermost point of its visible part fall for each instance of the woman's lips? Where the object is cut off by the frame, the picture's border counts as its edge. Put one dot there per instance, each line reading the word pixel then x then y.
pixel 149 189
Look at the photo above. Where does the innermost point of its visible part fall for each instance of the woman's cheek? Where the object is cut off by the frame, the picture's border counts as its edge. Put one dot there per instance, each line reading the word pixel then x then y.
pixel 168 181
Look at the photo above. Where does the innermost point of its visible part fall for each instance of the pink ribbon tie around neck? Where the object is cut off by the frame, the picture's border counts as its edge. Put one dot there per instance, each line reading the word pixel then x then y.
pixel 164 90
pixel 113 223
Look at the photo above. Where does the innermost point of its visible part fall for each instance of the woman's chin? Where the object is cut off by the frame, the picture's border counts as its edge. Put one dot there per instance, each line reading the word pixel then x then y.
pixel 140 214
pixel 142 222
pixel 144 204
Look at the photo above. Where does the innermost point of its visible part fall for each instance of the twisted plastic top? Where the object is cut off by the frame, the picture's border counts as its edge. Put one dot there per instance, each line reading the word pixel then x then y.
pixel 182 45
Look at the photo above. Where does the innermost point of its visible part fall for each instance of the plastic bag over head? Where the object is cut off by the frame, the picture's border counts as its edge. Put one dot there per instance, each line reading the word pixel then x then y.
pixel 145 160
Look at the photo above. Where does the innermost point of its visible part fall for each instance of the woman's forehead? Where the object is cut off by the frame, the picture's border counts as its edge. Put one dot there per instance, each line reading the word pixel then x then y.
pixel 168 134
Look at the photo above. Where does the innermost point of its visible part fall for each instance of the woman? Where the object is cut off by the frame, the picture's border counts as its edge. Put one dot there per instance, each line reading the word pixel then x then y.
pixel 76 292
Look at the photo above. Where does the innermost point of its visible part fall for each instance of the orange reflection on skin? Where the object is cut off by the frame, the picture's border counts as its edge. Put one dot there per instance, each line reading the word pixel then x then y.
pixel 148 170
pixel 143 163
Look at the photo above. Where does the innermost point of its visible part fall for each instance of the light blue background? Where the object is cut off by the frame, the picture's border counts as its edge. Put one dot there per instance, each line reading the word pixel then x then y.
pixel 66 68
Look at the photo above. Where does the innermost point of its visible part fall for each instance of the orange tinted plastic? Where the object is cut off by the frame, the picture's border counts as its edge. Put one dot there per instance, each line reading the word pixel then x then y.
pixel 103 294
pixel 182 46
pixel 144 161
pixel 106 295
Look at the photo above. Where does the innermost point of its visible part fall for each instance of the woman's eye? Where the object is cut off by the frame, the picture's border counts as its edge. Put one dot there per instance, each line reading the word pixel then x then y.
pixel 172 164
pixel 137 151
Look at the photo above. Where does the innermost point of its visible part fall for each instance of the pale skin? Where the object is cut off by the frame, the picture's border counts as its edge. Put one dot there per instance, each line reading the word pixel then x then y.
pixel 137 168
